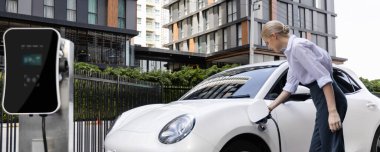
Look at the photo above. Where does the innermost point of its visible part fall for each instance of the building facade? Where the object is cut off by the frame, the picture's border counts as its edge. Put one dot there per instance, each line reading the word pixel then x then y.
pixel 219 29
pixel 100 29
pixel 150 18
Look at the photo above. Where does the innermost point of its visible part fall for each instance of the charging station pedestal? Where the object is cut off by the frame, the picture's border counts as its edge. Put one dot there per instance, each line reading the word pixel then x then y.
pixel 59 125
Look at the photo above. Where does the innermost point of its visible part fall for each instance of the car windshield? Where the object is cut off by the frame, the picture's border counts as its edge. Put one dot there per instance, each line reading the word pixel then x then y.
pixel 236 83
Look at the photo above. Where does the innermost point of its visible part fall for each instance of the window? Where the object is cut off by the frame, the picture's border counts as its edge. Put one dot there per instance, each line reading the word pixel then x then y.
pixel 282 12
pixel 157 37
pixel 185 7
pixel 225 39
pixel 231 10
pixel 139 33
pixel 321 24
pixel 71 10
pixel 157 1
pixel 309 19
pixel 157 12
pixel 200 3
pixel 205 20
pixel 121 14
pixel 290 14
pixel 49 8
pixel 322 42
pixel 202 44
pixel 345 82
pixel 302 17
pixel 157 25
pixel 190 25
pixel 199 25
pixel 308 2
pixel 222 85
pixel 220 15
pixel 138 7
pixel 276 90
pixel 179 11
pixel 92 11
pixel 139 21
pixel 239 35
pixel 321 4
pixel 12 6
pixel 180 26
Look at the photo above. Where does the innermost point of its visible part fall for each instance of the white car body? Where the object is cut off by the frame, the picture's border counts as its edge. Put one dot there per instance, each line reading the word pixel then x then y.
pixel 220 120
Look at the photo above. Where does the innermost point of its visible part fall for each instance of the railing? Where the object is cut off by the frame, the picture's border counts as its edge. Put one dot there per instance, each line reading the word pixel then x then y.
pixel 9 129
pixel 98 100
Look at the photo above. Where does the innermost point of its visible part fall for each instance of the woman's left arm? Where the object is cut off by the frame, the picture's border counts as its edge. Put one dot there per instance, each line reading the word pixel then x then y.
pixel 334 119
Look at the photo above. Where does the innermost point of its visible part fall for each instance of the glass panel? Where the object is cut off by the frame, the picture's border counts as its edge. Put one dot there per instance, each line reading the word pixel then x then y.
pixel 302 17
pixel 321 23
pixel 322 42
pixel 91 18
pixel 71 4
pixel 49 2
pixel 49 11
pixel 282 10
pixel 71 15
pixel 12 6
pixel 92 6
pixel 309 19
pixel 121 9
pixel 308 2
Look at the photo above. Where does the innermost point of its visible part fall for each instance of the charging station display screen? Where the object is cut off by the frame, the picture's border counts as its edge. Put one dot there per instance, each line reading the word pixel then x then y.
pixel 31 77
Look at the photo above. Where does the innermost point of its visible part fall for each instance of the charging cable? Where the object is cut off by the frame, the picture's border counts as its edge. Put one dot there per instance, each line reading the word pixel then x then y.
pixel 44 132
pixel 262 127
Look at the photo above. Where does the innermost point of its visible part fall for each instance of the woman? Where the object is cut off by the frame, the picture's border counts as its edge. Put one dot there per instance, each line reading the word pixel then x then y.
pixel 311 66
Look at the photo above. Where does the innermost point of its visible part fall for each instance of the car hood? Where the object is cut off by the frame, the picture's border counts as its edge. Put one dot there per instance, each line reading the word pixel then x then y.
pixel 156 117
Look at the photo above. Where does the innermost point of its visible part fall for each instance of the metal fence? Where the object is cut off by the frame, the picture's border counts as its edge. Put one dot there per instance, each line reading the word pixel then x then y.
pixel 100 98
pixel 8 127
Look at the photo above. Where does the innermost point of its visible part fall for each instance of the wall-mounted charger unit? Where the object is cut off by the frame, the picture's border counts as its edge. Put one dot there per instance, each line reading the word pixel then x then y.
pixel 31 81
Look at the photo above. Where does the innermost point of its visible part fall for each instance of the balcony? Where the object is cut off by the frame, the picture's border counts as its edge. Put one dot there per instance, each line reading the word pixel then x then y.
pixel 150 38
pixel 150 26
pixel 150 13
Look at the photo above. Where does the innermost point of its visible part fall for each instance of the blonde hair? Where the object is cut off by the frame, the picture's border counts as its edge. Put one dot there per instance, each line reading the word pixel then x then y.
pixel 275 27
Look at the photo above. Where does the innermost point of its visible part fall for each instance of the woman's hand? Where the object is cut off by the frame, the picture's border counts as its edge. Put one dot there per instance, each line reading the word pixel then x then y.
pixel 334 121
pixel 281 98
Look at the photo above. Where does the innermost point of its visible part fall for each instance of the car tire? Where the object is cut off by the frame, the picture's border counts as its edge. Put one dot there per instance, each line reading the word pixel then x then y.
pixel 376 141
pixel 241 146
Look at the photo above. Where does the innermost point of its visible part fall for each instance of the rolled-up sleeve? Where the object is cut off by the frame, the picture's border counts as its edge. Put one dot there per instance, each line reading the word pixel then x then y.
pixel 311 65
pixel 291 82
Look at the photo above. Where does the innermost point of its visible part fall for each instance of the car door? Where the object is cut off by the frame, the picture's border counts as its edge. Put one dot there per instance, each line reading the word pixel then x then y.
pixel 295 117
pixel 361 118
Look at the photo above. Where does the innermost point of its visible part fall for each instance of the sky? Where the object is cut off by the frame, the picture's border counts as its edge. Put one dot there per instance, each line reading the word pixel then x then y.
pixel 358 31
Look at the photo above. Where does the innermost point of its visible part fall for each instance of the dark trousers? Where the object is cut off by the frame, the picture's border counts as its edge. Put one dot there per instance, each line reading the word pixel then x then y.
pixel 323 139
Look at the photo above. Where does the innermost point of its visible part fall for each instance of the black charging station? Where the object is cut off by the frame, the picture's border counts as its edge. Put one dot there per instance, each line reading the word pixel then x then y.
pixel 38 81
pixel 31 83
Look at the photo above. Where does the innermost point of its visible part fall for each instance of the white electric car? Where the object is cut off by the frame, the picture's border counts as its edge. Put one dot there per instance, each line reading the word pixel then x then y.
pixel 216 115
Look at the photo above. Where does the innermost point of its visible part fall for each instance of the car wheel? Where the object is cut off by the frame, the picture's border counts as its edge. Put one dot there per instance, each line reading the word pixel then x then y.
pixel 376 141
pixel 241 146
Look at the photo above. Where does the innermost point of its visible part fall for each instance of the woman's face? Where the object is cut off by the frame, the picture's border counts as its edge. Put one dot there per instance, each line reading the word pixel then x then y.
pixel 273 43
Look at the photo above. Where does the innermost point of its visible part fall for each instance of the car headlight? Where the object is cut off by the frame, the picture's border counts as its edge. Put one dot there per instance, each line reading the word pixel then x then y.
pixel 177 129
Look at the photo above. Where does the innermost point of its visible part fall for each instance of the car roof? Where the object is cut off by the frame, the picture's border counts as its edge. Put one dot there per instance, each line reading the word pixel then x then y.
pixel 269 63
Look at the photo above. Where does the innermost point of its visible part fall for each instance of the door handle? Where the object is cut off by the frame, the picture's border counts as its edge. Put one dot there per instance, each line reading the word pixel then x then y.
pixel 371 105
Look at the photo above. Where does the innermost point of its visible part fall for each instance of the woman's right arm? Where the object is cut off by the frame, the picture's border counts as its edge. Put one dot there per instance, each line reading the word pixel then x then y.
pixel 284 95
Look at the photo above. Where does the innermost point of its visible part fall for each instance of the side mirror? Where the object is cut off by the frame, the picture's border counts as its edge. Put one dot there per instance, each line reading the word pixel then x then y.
pixel 302 93
pixel 257 111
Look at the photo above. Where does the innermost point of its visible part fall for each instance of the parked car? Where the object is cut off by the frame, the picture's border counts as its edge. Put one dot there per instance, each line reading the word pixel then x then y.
pixel 214 116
